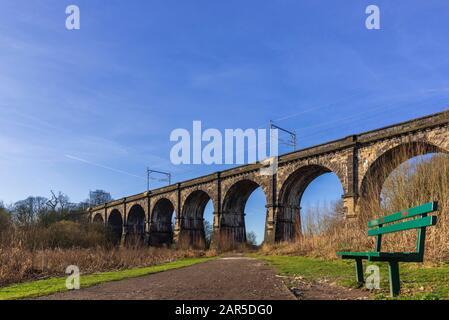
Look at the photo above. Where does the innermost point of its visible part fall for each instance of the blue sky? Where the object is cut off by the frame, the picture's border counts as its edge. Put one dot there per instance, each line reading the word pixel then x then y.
pixel 111 93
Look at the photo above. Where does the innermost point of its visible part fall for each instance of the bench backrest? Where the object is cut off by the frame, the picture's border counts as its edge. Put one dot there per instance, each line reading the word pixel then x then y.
pixel 393 223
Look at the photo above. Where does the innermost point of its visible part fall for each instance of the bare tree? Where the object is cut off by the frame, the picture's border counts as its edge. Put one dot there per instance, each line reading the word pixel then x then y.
pixel 27 211
pixel 251 238
pixel 60 202
pixel 5 218
pixel 208 229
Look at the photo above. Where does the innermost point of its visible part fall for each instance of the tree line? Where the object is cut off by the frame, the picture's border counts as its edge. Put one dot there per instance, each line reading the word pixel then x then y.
pixel 51 222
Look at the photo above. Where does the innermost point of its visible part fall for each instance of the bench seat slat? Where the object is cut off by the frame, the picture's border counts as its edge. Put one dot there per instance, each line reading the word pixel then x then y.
pixel 405 214
pixel 381 256
pixel 372 253
pixel 407 225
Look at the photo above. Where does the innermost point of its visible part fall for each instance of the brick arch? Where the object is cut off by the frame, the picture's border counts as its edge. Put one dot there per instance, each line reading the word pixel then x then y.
pixel 337 163
pixel 293 187
pixel 194 202
pixel 232 219
pixel 161 228
pixel 170 196
pixel 98 218
pixel 390 157
pixel 264 182
pixel 192 232
pixel 208 188
pixel 288 218
pixel 142 202
pixel 115 226
pixel 135 224
pixel 120 208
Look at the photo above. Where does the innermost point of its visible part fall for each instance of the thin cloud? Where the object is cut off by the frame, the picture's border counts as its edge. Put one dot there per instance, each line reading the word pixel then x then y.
pixel 102 166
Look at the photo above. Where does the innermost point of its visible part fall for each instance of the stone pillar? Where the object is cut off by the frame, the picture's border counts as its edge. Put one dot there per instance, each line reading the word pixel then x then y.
pixel 351 197
pixel 178 220
pixel 177 229
pixel 297 227
pixel 215 230
pixel 105 216
pixel 270 224
pixel 124 234
pixel 350 205
pixel 148 219
pixel 217 214
pixel 147 235
pixel 125 224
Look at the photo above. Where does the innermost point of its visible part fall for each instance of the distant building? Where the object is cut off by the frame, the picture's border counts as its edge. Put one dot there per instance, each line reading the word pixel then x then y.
pixel 98 197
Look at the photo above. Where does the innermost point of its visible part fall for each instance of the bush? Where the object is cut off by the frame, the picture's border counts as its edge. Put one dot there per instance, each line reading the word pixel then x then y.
pixel 5 225
pixel 62 234
pixel 251 238
pixel 69 234
pixel 5 219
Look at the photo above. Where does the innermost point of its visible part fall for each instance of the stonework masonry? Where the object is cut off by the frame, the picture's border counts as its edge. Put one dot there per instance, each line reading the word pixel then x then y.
pixel 356 160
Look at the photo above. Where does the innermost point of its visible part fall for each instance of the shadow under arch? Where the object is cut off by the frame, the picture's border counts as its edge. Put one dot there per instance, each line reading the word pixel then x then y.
pixel 161 226
pixel 135 225
pixel 115 226
pixel 232 219
pixel 192 231
pixel 288 224
pixel 385 164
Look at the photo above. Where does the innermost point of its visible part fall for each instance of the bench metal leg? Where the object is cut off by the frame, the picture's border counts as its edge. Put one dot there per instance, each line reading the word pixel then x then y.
pixel 395 284
pixel 359 272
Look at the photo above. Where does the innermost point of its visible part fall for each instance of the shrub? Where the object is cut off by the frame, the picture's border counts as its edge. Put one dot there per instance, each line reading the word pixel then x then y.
pixel 5 219
pixel 69 234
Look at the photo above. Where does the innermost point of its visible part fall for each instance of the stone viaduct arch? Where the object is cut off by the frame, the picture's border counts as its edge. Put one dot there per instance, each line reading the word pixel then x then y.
pixel 115 226
pixel 291 190
pixel 382 166
pixel 357 160
pixel 98 218
pixel 135 224
pixel 377 160
pixel 161 228
pixel 191 222
pixel 232 219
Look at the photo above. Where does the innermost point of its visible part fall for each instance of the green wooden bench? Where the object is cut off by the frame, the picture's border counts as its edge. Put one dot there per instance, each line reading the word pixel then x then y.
pixel 390 224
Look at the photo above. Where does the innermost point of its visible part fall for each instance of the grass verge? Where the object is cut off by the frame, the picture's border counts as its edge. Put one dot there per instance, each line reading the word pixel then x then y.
pixel 55 285
pixel 418 281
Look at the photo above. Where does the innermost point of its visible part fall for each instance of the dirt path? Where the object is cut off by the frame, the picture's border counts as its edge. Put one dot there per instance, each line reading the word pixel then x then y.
pixel 233 278
pixel 323 290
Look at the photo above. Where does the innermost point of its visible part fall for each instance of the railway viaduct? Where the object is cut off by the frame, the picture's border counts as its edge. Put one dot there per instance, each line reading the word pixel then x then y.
pixel 358 161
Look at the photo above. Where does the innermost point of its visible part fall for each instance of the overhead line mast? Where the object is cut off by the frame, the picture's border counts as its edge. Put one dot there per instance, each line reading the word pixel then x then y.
pixel 149 171
pixel 292 142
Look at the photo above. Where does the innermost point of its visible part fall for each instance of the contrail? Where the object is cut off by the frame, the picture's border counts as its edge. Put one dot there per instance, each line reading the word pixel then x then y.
pixel 102 166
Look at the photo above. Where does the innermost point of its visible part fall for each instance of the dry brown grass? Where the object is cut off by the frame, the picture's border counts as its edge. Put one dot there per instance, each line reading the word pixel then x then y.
pixel 225 241
pixel 191 239
pixel 326 231
pixel 35 252
pixel 18 264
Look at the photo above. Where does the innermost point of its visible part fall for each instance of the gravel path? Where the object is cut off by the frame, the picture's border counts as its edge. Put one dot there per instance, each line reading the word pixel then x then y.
pixel 233 278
